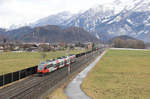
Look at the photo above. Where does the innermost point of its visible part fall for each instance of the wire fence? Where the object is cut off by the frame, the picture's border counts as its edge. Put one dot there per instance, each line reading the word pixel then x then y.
pixel 14 76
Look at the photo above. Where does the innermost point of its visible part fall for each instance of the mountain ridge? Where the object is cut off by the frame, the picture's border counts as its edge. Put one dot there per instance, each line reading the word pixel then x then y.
pixel 50 33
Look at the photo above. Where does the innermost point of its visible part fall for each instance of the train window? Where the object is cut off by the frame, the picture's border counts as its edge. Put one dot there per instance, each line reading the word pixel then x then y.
pixel 65 62
pixel 62 63
pixel 48 60
pixel 59 58
pixel 54 65
pixel 57 64
pixel 50 65
pixel 68 61
pixel 63 56
pixel 41 66
pixel 46 67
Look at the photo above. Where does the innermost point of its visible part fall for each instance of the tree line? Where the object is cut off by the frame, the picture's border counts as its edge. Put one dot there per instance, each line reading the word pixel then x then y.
pixel 128 43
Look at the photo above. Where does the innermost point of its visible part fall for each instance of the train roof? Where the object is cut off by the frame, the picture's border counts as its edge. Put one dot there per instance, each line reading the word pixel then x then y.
pixel 50 60
pixel 42 62
pixel 60 58
pixel 53 61
pixel 63 56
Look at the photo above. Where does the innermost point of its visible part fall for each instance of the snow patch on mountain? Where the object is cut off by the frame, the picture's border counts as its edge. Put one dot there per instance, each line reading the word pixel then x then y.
pixel 142 31
pixel 146 32
pixel 128 20
pixel 97 36
pixel 53 19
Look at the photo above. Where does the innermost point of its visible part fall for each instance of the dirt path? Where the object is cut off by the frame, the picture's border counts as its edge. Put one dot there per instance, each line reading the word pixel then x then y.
pixel 73 90
pixel 129 49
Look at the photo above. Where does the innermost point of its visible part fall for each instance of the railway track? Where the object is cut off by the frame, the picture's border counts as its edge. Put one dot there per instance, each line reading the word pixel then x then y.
pixel 35 86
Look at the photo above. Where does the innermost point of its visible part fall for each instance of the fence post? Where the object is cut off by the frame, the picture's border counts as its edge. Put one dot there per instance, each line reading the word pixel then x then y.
pixel 3 79
pixel 19 74
pixel 12 77
pixel 69 69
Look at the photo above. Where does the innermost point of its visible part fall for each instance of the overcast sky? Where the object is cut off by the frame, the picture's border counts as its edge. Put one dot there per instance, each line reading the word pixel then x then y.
pixel 26 11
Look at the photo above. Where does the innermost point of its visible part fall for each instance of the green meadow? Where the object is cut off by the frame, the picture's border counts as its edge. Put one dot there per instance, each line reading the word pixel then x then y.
pixel 13 61
pixel 120 74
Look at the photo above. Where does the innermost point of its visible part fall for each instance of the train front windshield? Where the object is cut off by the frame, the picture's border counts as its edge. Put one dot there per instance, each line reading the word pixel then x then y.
pixel 41 66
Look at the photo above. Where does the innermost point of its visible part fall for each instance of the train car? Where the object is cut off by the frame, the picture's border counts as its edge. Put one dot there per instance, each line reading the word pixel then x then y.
pixel 48 66
pixel 61 61
pixel 52 65
pixel 66 60
pixel 72 58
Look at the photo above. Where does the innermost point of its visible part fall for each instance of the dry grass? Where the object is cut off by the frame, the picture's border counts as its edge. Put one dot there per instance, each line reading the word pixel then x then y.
pixel 12 61
pixel 121 74
pixel 57 94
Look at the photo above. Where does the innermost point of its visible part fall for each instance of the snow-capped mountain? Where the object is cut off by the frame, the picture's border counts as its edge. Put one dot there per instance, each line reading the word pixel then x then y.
pixel 14 26
pixel 138 5
pixel 53 19
pixel 119 18
pixel 122 17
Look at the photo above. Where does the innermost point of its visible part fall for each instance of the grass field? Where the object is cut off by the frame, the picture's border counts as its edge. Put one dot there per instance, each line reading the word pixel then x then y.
pixel 121 74
pixel 57 94
pixel 12 61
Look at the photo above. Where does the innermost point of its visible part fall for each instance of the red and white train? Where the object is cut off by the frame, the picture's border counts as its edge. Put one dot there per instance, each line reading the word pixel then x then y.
pixel 52 65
